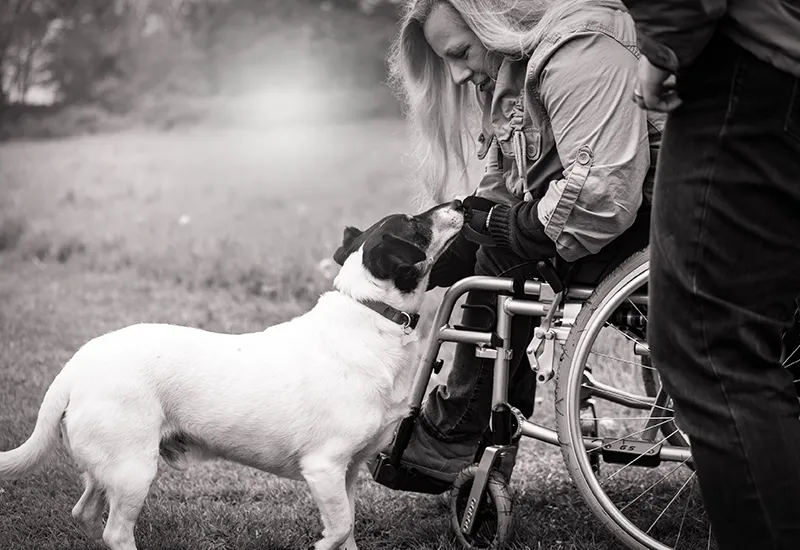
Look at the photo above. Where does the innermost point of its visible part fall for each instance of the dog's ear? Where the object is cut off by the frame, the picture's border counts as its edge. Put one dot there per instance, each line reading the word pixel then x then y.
pixel 350 235
pixel 394 259
pixel 400 251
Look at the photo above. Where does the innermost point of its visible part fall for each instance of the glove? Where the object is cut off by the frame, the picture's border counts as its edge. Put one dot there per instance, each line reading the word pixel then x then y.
pixel 477 212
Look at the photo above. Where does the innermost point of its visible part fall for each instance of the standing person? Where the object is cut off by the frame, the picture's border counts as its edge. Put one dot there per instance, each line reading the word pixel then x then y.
pixel 725 250
pixel 568 169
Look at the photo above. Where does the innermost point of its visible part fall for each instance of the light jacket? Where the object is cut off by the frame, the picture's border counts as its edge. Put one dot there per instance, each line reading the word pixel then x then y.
pixel 568 152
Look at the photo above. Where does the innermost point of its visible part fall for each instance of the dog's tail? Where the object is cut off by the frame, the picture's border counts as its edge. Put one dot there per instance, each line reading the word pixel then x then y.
pixel 18 462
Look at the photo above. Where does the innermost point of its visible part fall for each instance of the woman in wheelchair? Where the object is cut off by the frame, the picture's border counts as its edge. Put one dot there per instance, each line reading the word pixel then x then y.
pixel 569 164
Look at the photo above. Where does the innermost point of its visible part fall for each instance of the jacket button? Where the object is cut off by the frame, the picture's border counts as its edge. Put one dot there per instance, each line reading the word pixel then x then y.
pixel 584 156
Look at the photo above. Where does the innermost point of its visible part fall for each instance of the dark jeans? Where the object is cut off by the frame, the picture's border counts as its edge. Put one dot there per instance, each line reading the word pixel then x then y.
pixel 460 410
pixel 725 270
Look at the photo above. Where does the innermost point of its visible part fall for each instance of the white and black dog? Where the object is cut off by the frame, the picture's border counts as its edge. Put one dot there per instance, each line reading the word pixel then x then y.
pixel 309 399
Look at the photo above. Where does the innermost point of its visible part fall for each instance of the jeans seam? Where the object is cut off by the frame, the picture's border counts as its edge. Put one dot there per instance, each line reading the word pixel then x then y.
pixel 695 293
pixel 478 384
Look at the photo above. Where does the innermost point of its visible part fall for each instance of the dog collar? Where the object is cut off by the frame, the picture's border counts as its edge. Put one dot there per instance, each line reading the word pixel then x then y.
pixel 408 321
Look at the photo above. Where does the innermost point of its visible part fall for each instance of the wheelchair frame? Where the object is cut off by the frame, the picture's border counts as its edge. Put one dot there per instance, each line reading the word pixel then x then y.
pixel 514 297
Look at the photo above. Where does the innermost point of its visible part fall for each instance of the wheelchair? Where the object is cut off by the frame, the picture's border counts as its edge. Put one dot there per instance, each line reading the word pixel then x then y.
pixel 615 426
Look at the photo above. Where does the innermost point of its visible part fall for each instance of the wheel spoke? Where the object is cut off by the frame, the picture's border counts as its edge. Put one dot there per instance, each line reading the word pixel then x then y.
pixel 791 364
pixel 628 336
pixel 631 302
pixel 665 476
pixel 790 356
pixel 683 517
pixel 626 361
pixel 691 477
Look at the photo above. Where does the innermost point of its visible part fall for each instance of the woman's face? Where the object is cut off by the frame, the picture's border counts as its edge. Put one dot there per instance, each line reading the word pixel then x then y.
pixel 459 47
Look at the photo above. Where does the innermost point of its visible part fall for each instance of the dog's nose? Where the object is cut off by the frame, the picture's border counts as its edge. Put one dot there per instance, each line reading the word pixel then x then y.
pixel 457 205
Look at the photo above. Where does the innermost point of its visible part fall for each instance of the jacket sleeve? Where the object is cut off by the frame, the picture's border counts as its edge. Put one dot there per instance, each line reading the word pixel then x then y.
pixel 601 139
pixel 672 33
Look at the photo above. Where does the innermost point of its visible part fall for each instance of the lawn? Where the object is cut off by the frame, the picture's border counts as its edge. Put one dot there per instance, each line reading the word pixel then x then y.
pixel 230 231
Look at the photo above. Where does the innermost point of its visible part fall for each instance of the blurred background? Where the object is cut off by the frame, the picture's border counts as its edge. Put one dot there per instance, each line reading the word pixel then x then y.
pixel 82 66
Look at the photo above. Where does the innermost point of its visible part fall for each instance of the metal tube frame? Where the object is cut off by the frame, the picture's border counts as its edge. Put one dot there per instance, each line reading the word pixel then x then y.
pixel 509 304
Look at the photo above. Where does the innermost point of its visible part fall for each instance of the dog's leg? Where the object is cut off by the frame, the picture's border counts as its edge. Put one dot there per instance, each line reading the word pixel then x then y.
pixel 128 483
pixel 88 512
pixel 350 485
pixel 326 479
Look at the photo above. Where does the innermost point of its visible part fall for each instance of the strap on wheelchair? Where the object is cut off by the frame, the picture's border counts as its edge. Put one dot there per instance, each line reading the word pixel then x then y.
pixel 549 274
pixel 518 288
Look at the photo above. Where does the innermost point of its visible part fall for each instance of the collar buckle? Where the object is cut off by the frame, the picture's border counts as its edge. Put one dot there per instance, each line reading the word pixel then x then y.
pixel 406 326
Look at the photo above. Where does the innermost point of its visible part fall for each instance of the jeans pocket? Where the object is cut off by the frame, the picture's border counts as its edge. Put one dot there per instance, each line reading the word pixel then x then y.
pixel 792 124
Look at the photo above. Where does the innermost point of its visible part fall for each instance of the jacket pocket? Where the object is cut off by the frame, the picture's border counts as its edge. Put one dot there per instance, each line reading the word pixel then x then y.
pixel 533 144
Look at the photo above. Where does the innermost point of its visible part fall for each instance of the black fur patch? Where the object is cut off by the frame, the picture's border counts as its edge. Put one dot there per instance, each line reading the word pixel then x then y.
pixel 393 258
pixel 391 247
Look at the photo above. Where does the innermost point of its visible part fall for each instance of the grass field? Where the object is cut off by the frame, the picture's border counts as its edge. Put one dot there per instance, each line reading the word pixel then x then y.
pixel 222 230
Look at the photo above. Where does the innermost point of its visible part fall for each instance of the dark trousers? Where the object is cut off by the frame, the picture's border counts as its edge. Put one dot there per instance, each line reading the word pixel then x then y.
pixel 725 272
pixel 460 410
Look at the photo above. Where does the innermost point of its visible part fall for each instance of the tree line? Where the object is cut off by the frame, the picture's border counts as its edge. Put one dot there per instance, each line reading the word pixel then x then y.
pixel 108 51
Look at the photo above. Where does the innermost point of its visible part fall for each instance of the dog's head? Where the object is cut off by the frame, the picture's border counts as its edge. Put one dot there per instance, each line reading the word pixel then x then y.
pixel 395 255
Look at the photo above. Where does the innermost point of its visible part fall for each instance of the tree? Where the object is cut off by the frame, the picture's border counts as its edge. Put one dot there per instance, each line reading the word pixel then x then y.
pixel 24 31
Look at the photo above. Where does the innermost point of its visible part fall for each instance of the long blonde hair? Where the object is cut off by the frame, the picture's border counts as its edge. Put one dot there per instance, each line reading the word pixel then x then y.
pixel 439 111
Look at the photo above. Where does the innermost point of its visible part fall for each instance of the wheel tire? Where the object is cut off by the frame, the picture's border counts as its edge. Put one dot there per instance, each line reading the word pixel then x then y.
pixel 563 400
pixel 495 520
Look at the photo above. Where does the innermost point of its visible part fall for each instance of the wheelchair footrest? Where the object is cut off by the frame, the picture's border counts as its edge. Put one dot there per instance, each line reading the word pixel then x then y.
pixel 405 478
pixel 631 451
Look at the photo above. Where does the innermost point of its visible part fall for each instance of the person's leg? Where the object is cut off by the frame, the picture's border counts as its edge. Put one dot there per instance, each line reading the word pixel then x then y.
pixel 455 416
pixel 725 258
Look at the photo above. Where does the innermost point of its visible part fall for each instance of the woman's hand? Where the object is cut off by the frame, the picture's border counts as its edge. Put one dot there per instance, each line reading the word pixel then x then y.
pixel 478 211
pixel 655 89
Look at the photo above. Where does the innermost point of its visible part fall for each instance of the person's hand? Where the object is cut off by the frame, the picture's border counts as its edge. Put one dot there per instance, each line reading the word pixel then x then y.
pixel 655 88
pixel 475 230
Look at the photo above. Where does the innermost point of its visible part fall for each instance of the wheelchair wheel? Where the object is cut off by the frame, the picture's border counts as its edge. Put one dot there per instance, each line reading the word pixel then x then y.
pixel 495 520
pixel 645 491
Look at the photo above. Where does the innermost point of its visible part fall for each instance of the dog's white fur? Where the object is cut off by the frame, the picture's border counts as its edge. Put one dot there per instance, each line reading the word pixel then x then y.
pixel 309 399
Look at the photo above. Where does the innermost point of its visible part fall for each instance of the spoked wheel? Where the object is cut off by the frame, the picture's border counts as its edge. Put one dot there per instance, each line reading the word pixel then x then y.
pixel 645 490
pixel 494 522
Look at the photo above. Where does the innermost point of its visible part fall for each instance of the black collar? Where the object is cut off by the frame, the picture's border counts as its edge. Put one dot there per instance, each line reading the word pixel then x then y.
pixel 406 320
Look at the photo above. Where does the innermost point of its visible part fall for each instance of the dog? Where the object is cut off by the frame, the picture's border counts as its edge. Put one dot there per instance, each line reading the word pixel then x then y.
pixel 311 398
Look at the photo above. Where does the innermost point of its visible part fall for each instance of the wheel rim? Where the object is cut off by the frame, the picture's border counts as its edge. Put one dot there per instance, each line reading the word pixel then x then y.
pixel 621 501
